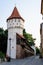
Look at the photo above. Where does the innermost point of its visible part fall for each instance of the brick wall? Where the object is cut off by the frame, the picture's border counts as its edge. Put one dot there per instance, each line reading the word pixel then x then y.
pixel 19 51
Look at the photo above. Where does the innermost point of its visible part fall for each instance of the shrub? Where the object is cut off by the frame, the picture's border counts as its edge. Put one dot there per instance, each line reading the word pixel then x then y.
pixel 2 56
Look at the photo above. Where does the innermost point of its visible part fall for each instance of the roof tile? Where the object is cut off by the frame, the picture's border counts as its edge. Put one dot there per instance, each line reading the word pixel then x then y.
pixel 15 14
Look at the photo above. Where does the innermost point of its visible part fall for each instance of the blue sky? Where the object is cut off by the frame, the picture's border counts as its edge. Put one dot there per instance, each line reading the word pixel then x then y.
pixel 29 10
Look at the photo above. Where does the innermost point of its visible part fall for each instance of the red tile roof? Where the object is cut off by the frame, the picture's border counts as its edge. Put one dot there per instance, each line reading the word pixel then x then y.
pixel 15 14
pixel 21 36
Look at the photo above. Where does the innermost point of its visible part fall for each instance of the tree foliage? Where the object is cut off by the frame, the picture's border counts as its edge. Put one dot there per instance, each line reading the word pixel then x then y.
pixel 37 51
pixel 3 40
pixel 2 55
pixel 29 38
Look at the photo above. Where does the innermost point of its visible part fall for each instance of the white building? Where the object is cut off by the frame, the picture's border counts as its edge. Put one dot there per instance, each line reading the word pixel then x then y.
pixel 15 24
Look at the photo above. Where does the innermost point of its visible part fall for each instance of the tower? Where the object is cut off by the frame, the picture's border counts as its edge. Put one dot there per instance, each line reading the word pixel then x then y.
pixel 15 24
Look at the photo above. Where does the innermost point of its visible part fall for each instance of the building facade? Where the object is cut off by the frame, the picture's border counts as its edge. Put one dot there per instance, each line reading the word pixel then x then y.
pixel 42 7
pixel 41 36
pixel 41 30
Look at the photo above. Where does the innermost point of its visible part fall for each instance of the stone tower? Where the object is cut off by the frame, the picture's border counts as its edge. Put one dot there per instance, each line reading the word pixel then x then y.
pixel 15 24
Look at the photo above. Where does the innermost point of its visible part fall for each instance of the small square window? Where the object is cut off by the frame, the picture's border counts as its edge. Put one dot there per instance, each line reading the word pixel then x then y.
pixel 18 20
pixel 17 23
pixel 10 23
pixel 15 20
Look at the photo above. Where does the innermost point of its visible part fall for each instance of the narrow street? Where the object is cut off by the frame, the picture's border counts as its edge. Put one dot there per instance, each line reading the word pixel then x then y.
pixel 27 61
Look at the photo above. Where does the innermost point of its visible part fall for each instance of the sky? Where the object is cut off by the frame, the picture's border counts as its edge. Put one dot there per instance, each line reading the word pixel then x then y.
pixel 29 10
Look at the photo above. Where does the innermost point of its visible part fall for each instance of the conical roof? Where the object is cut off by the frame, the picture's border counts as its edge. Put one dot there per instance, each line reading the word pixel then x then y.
pixel 15 14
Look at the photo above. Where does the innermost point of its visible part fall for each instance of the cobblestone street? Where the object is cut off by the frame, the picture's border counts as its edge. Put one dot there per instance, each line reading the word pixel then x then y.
pixel 27 61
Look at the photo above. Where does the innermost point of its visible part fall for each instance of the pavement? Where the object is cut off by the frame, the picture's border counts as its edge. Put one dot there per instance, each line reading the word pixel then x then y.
pixel 34 60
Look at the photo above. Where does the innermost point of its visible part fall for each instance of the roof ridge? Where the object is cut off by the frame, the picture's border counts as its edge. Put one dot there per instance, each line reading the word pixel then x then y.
pixel 15 14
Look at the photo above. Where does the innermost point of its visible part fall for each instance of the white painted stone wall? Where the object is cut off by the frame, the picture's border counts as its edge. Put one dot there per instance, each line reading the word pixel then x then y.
pixel 34 48
pixel 11 50
pixel 13 28
pixel 18 26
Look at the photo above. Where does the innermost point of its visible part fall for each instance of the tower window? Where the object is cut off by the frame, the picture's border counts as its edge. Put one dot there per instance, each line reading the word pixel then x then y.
pixel 10 23
pixel 15 20
pixel 17 23
pixel 18 20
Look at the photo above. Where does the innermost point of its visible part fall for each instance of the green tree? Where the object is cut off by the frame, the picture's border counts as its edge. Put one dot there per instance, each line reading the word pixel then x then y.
pixel 37 51
pixel 29 38
pixel 1 31
pixel 3 40
pixel 2 56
